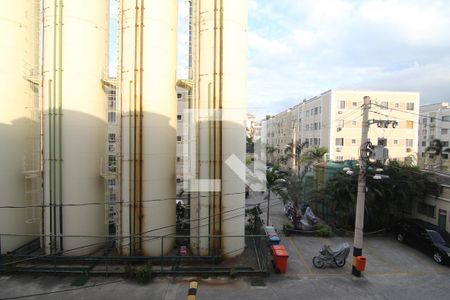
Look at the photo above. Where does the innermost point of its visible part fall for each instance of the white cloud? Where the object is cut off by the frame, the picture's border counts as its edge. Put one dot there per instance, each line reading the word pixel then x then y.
pixel 301 48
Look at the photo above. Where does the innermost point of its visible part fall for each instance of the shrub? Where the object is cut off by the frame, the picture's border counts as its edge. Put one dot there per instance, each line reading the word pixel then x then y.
pixel 323 230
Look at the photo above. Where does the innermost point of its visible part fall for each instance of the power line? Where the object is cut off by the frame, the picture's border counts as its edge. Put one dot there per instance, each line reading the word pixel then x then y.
pixel 128 236
pixel 102 204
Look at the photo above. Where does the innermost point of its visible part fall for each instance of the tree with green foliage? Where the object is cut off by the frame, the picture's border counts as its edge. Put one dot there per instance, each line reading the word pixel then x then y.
pixel 273 177
pixel 289 152
pixel 290 189
pixel 386 200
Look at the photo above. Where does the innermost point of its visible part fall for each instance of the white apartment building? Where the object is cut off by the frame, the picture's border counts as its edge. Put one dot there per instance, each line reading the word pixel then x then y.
pixel 182 135
pixel 434 124
pixel 333 119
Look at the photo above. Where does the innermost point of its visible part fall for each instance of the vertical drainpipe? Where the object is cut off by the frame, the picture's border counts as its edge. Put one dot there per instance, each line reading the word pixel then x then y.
pixel 197 99
pixel 212 136
pixel 221 123
pixel 119 231
pixel 141 115
pixel 60 187
pixel 41 137
pixel 130 171
pixel 135 121
pixel 50 167
pixel 52 131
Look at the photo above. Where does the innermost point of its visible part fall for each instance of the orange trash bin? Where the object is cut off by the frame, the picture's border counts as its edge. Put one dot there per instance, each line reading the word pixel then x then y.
pixel 280 257
pixel 361 263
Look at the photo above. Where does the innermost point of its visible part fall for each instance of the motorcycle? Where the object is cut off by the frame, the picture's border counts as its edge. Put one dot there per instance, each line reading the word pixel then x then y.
pixel 289 211
pixel 328 256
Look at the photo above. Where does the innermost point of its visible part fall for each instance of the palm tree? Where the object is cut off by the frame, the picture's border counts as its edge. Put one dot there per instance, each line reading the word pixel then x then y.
pixel 270 150
pixel 315 154
pixel 385 199
pixel 290 189
pixel 273 177
pixel 299 147
pixel 435 152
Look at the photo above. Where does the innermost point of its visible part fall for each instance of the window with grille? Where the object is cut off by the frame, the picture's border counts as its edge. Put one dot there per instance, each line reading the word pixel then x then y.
pixel 426 209
pixel 112 138
pixel 410 106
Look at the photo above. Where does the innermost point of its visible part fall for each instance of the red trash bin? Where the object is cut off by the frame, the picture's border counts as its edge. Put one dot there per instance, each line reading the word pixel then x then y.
pixel 280 257
pixel 361 263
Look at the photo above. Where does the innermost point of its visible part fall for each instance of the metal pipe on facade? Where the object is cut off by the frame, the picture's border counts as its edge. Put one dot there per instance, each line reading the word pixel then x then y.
pixel 60 175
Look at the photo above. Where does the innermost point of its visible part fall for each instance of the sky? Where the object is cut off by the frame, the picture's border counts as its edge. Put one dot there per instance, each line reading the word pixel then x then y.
pixel 301 48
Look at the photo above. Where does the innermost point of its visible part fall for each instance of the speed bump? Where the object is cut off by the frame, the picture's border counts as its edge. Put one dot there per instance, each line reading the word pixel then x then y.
pixel 192 293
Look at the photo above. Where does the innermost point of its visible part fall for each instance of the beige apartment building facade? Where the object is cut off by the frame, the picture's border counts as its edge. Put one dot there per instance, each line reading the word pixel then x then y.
pixel 333 120
pixel 434 124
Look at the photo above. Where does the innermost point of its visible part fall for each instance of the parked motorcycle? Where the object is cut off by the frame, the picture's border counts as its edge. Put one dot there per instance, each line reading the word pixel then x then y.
pixel 328 256
pixel 289 210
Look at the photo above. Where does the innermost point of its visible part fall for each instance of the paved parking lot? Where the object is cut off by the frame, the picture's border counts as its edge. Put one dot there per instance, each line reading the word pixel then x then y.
pixel 394 271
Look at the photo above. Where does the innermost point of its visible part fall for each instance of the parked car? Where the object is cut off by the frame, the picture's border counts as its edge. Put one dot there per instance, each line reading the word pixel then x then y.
pixel 424 236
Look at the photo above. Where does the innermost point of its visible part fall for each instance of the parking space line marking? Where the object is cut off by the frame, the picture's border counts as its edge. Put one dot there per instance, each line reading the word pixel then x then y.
pixel 299 254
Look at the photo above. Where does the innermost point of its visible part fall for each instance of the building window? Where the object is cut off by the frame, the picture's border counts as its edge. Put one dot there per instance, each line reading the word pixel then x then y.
pixel 339 141
pixel 397 105
pixel 179 95
pixel 340 124
pixel 395 142
pixel 342 105
pixel 353 141
pixel 112 163
pixel 355 104
pixel 384 105
pixel 320 109
pixel 444 144
pixel 178 159
pixel 424 121
pixel 179 139
pixel 409 124
pixel 179 117
pixel 432 119
pixel 111 148
pixel 112 117
pixel 307 127
pixel 316 127
pixel 111 138
pixel 446 118
pixel 426 209
pixel 444 155
pixel 410 106
pixel 444 131
pixel 339 158
pixel 354 123
pixel 424 144
pixel 112 104
pixel 307 113
pixel 409 143
pixel 316 110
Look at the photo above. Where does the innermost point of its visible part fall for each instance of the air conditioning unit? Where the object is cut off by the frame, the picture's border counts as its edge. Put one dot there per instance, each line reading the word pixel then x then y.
pixel 338 149
pixel 338 129
pixel 340 112
pixel 408 149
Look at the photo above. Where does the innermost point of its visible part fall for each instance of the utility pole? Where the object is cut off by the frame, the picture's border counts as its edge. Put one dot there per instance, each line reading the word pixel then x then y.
pixel 361 196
